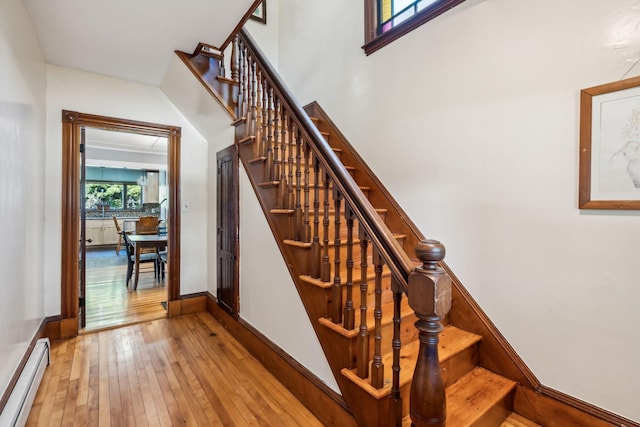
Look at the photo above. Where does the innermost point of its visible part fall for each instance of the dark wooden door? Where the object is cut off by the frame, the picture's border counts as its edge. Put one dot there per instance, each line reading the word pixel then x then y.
pixel 228 223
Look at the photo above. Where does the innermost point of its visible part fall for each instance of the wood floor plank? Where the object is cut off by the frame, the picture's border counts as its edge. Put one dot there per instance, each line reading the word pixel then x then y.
pixel 110 302
pixel 182 371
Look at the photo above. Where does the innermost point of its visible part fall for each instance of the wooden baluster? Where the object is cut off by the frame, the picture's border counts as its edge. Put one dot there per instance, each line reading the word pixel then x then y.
pixel 259 110
pixel 362 356
pixel 336 295
pixel 284 185
pixel 221 70
pixel 348 319
pixel 276 139
pixel 325 267
pixel 244 75
pixel 315 241
pixel 234 60
pixel 297 210
pixel 270 128
pixel 429 294
pixel 290 136
pixel 396 344
pixel 252 119
pixel 377 367
pixel 265 119
pixel 306 227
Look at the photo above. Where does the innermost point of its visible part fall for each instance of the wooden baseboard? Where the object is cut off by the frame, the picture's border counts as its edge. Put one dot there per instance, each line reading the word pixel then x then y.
pixel 327 405
pixel 187 304
pixel 552 408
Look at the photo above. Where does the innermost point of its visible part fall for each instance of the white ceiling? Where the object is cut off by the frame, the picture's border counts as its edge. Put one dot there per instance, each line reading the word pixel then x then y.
pixel 130 39
pixel 120 149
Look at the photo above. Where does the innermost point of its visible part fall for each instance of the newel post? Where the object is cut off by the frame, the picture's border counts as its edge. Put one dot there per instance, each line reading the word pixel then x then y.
pixel 430 297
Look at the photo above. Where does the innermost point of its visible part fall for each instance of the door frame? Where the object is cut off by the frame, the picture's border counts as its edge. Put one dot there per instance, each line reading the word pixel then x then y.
pixel 232 151
pixel 72 122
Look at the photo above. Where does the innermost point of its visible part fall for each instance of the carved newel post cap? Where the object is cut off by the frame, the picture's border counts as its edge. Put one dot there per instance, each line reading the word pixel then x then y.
pixel 430 252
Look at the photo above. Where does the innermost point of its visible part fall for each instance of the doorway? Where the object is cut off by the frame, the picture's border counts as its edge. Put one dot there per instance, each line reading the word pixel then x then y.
pixel 73 125
pixel 228 293
pixel 124 180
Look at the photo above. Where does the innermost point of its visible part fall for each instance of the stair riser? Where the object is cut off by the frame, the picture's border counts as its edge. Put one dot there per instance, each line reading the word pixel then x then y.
pixel 387 295
pixel 452 370
pixel 408 333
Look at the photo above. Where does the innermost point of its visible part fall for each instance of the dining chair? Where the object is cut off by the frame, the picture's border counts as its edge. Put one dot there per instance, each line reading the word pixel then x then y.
pixel 147 225
pixel 145 257
pixel 120 233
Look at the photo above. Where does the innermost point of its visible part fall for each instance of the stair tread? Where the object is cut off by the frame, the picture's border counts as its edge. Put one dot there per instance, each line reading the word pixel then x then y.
pixel 357 274
pixel 405 311
pixel 343 242
pixel 473 395
pixel 515 420
pixel 452 341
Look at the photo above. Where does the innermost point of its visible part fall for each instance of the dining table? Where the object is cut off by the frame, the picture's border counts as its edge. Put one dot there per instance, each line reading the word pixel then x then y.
pixel 141 241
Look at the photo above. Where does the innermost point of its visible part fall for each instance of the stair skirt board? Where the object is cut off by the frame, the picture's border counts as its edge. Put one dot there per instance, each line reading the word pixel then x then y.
pixel 18 405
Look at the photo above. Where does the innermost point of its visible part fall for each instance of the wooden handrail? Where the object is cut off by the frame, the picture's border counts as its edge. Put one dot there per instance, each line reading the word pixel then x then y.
pixel 396 258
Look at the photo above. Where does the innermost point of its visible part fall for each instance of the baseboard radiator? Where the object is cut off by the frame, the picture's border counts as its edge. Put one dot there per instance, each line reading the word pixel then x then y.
pixel 17 409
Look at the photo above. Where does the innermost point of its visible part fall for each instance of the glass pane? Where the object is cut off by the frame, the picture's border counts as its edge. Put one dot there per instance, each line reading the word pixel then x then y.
pixel 134 194
pixel 399 5
pixel 102 195
pixel 403 16
pixel 425 3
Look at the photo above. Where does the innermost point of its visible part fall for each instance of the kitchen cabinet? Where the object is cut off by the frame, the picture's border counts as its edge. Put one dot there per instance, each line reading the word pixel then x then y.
pixel 102 232
pixel 150 190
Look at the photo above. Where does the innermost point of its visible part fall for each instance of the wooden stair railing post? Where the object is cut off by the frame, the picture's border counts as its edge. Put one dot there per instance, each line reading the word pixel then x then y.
pixel 348 319
pixel 429 294
pixel 336 297
pixel 377 367
pixel 315 242
pixel 270 120
pixel 396 345
pixel 284 185
pixel 362 352
pixel 306 225
pixel 325 266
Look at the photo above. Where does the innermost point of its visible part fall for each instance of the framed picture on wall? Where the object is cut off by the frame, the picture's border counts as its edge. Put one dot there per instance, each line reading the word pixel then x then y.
pixel 610 146
pixel 260 14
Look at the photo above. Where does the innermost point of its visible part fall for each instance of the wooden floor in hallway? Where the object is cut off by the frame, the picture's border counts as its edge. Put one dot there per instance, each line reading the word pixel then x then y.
pixel 186 370
pixel 110 302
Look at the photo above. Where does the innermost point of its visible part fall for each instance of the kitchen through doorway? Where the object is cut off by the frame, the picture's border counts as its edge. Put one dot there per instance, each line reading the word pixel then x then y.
pixel 125 178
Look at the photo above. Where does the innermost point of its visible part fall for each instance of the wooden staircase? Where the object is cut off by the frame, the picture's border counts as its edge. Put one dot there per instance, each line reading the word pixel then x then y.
pixel 351 252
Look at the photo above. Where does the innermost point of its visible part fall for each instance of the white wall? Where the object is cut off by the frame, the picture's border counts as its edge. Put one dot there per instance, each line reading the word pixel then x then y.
pixel 482 104
pixel 267 33
pixel 269 300
pixel 22 118
pixel 95 94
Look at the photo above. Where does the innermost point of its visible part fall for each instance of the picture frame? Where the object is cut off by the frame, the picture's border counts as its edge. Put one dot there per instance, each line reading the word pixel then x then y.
pixel 260 13
pixel 609 176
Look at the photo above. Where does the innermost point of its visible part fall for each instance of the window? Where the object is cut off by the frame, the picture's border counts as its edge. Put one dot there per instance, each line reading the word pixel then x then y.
pixel 388 20
pixel 113 195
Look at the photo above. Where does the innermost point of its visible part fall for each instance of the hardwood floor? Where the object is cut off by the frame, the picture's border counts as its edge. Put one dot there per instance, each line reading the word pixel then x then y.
pixel 110 302
pixel 187 370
